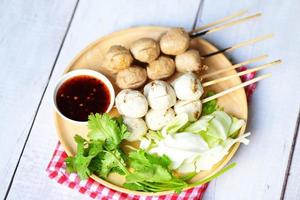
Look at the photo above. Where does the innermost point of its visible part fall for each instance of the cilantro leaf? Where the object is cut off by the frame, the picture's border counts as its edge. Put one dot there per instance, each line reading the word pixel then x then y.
pixel 211 106
pixel 85 153
pixel 107 162
pixel 105 128
pixel 151 173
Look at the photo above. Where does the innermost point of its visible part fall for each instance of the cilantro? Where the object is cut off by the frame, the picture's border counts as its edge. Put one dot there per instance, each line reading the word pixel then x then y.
pixel 151 173
pixel 81 161
pixel 211 106
pixel 103 127
pixel 101 154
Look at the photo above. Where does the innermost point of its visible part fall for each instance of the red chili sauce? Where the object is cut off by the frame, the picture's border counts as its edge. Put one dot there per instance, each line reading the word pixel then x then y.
pixel 82 95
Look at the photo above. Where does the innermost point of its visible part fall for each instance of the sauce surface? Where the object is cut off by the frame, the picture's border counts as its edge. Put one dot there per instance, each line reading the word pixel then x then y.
pixel 82 95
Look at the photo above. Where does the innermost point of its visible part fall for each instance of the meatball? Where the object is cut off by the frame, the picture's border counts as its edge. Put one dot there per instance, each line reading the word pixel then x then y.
pixel 160 95
pixel 175 41
pixel 188 87
pixel 157 119
pixel 145 49
pixel 117 58
pixel 137 128
pixel 191 108
pixel 131 78
pixel 161 68
pixel 189 61
pixel 131 103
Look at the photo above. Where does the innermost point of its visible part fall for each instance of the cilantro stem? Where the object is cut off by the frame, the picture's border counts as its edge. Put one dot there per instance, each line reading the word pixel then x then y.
pixel 119 163
pixel 222 171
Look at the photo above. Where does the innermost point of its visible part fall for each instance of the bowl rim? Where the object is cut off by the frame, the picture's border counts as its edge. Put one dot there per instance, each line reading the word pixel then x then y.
pixel 80 72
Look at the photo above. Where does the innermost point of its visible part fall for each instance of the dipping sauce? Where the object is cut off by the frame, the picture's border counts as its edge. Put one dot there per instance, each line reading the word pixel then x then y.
pixel 82 95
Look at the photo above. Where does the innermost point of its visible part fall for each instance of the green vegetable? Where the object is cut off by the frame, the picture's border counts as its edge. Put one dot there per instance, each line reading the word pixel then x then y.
pixel 151 173
pixel 235 127
pixel 177 123
pixel 199 125
pixel 100 155
pixel 105 128
pixel 80 163
pixel 219 126
pixel 209 107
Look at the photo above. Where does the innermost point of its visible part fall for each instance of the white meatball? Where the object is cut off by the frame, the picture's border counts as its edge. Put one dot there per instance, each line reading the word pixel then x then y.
pixel 131 103
pixel 160 95
pixel 157 119
pixel 136 126
pixel 187 87
pixel 191 108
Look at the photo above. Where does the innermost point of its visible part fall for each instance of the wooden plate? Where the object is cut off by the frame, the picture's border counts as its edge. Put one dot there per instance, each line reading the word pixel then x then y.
pixel 234 103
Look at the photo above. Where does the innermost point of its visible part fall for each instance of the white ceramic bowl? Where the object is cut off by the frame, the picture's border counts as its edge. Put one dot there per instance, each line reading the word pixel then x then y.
pixel 80 72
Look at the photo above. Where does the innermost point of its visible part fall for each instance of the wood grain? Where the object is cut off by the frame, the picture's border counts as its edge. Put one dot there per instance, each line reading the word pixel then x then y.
pixel 30 37
pixel 92 20
pixel 273 109
pixel 291 189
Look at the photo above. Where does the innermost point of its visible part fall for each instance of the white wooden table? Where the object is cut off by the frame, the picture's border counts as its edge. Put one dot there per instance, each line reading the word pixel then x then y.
pixel 38 38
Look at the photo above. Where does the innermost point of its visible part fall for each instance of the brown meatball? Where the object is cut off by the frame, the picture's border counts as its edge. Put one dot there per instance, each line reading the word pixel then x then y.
pixel 117 58
pixel 189 61
pixel 161 68
pixel 145 50
pixel 131 78
pixel 175 41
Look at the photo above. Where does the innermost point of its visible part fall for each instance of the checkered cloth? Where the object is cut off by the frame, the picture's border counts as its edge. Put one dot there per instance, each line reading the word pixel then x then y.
pixel 57 170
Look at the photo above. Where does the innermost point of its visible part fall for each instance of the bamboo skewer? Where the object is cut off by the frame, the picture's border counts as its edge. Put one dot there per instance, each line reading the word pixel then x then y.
pixel 252 60
pixel 219 21
pixel 229 24
pixel 220 94
pixel 239 45
pixel 241 73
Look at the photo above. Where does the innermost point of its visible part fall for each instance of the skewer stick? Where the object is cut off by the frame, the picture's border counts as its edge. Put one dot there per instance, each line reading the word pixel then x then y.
pixel 239 45
pixel 220 21
pixel 229 24
pixel 252 60
pixel 236 88
pixel 241 73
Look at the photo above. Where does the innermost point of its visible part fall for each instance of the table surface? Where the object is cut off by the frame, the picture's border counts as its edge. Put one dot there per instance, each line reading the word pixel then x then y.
pixel 38 38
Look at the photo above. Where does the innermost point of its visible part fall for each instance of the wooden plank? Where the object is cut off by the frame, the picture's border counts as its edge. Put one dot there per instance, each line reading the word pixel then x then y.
pixel 273 109
pixel 92 20
pixel 291 189
pixel 30 36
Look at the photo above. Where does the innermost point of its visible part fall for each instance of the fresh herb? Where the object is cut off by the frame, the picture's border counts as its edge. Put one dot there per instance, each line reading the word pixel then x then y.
pixel 86 152
pixel 101 154
pixel 151 173
pixel 211 106
pixel 105 128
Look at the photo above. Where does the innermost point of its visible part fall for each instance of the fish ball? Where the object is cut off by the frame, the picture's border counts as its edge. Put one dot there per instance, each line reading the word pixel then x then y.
pixel 161 68
pixel 145 49
pixel 187 87
pixel 189 61
pixel 157 119
pixel 175 41
pixel 132 77
pixel 160 95
pixel 131 103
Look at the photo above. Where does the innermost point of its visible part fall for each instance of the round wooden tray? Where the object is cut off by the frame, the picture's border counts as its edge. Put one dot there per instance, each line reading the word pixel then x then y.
pixel 234 103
